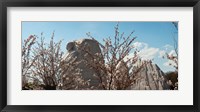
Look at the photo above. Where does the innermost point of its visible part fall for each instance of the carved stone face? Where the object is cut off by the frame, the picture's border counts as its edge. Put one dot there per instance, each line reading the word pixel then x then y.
pixel 76 46
pixel 76 50
pixel 70 46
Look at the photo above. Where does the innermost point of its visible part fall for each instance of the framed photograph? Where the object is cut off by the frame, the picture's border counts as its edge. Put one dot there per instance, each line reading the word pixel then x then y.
pixel 64 55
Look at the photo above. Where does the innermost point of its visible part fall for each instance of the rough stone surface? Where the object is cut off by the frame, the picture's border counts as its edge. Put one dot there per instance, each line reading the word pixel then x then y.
pixel 151 78
pixel 75 50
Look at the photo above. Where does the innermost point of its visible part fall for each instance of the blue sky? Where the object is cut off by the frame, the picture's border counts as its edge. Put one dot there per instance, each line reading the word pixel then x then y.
pixel 153 38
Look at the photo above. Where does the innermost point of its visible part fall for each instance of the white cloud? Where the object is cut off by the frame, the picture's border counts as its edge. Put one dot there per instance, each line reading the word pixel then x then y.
pixel 148 53
pixel 145 52
pixel 169 63
pixel 172 52
pixel 139 45
pixel 168 47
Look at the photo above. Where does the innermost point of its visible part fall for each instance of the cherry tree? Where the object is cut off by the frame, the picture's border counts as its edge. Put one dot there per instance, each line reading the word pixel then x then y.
pixel 115 67
pixel 27 59
pixel 43 65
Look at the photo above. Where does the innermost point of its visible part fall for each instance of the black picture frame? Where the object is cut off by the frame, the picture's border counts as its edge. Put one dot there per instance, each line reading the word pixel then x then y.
pixel 99 3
